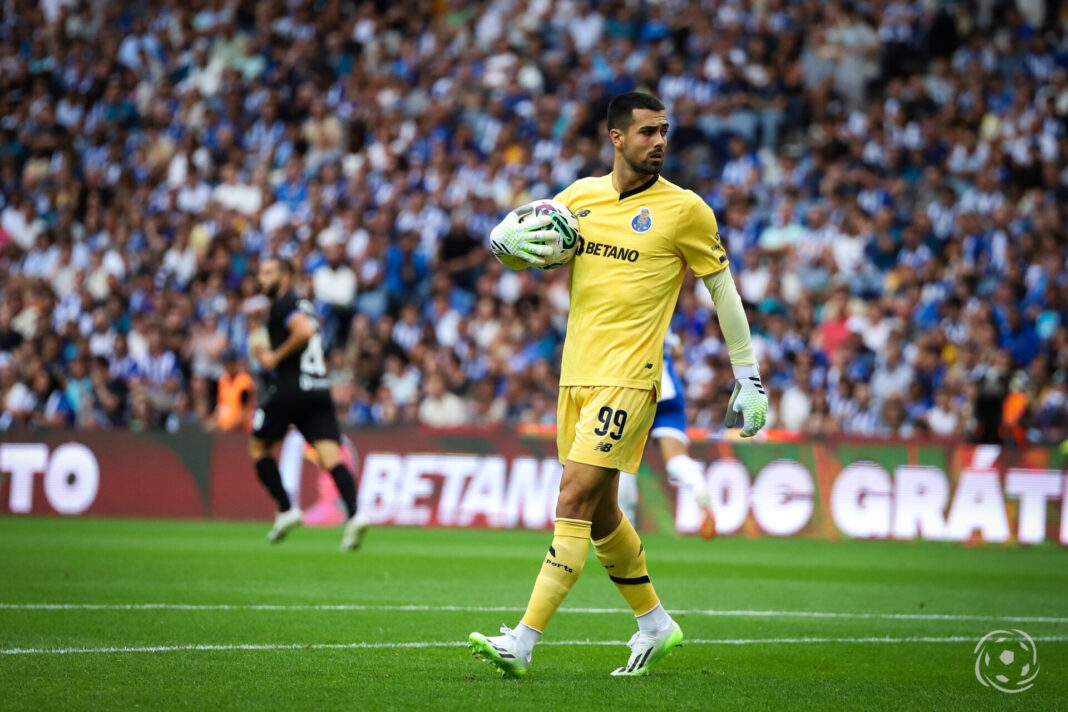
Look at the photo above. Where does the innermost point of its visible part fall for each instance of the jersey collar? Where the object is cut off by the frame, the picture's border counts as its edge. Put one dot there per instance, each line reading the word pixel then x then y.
pixel 644 186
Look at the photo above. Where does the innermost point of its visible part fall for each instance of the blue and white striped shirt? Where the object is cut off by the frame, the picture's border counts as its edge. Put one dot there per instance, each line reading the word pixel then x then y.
pixel 159 369
pixel 125 368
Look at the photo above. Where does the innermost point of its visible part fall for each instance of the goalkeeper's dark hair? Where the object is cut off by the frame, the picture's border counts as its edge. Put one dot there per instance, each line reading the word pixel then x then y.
pixel 621 108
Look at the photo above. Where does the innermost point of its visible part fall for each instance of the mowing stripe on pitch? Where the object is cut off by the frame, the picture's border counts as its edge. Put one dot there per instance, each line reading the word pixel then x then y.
pixel 510 609
pixel 237 647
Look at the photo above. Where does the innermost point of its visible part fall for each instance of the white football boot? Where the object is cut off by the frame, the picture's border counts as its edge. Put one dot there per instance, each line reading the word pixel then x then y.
pixel 647 649
pixel 284 523
pixel 502 652
pixel 355 528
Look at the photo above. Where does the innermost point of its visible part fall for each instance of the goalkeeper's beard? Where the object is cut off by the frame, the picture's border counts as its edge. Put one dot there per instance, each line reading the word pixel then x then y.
pixel 644 167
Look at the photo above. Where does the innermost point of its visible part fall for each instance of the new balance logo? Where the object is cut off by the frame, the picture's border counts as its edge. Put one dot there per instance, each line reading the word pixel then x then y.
pixel 603 447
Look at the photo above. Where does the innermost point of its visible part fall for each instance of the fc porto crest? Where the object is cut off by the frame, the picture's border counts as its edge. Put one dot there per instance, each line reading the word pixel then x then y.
pixel 642 221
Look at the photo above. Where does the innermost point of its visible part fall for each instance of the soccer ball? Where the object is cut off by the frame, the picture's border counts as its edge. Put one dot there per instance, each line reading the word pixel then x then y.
pixel 564 224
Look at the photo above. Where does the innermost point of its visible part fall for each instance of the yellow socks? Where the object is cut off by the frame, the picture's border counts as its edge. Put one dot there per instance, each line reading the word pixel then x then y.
pixel 621 553
pixel 623 557
pixel 563 564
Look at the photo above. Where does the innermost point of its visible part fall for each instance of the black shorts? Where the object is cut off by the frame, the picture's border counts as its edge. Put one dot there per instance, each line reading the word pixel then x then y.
pixel 312 412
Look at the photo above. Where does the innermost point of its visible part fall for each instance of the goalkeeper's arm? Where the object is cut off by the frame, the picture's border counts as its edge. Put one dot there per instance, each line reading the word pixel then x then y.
pixel 749 397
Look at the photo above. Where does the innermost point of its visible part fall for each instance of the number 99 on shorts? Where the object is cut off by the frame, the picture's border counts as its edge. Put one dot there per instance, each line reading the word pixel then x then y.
pixel 606 426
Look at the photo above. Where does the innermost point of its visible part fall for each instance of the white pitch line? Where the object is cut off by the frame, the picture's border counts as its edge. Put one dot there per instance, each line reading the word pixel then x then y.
pixel 458 644
pixel 512 609
pixel 878 616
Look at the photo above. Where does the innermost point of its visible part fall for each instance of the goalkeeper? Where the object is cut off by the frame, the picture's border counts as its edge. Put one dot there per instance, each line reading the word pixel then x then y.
pixel 639 232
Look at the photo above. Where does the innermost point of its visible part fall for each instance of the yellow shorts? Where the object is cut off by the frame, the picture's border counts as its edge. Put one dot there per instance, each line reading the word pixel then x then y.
pixel 606 426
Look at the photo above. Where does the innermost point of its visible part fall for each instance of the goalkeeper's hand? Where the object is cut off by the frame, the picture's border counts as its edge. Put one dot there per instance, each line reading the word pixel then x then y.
pixel 749 399
pixel 524 235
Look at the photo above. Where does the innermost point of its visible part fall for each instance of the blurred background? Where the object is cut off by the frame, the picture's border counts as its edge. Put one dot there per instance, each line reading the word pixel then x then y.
pixel 889 177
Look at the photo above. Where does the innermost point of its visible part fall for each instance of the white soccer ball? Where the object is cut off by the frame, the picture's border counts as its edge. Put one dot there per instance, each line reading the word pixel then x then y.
pixel 563 225
pixel 566 226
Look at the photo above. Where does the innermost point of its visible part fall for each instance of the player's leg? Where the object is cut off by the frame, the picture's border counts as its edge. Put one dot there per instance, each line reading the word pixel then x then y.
pixel 669 430
pixel 616 543
pixel 325 511
pixel 621 552
pixel 269 425
pixel 357 524
pixel 320 427
pixel 670 419
pixel 267 471
pixel 329 453
pixel 288 517
pixel 682 469
pixel 291 463
pixel 581 488
pixel 687 474
pixel 627 495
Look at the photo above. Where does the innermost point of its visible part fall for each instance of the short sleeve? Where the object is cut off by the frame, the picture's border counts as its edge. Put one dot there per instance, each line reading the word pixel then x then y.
pixel 697 238
pixel 564 196
pixel 293 307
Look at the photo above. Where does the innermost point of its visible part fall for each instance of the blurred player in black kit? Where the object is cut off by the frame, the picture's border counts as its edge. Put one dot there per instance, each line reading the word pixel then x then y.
pixel 296 391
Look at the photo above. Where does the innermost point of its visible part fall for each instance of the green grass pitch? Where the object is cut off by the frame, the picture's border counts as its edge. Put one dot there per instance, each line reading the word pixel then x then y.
pixel 301 625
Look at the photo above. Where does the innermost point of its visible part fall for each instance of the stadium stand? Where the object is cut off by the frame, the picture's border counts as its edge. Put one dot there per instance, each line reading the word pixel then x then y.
pixel 889 176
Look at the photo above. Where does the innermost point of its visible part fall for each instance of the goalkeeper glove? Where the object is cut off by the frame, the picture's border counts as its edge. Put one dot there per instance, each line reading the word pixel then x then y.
pixel 749 399
pixel 522 237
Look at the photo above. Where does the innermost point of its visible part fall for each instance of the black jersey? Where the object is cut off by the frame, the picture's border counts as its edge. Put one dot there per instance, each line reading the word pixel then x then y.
pixel 304 370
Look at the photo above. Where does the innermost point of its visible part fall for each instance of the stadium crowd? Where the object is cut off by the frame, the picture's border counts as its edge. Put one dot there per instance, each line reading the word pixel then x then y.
pixel 889 176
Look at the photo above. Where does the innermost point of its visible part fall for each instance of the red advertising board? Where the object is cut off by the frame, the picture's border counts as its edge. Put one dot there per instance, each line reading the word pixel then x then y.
pixel 494 478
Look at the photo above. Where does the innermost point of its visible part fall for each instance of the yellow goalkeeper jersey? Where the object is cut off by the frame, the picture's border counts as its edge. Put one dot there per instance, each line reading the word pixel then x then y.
pixel 626 275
